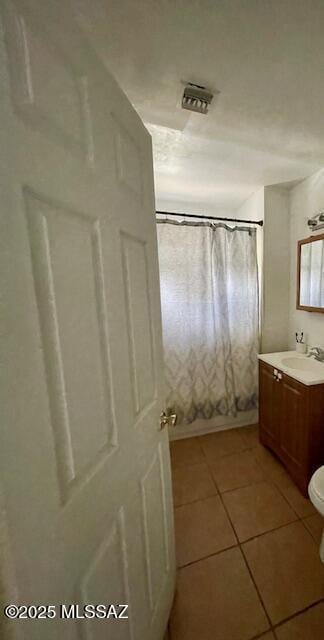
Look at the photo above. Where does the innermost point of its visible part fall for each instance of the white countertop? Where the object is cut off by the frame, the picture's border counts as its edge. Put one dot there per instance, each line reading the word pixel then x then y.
pixel 314 376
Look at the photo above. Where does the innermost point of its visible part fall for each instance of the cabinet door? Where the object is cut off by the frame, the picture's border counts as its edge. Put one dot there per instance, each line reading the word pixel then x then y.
pixel 270 407
pixel 294 428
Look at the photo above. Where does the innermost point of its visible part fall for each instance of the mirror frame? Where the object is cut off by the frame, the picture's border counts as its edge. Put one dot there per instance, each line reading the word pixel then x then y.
pixel 299 246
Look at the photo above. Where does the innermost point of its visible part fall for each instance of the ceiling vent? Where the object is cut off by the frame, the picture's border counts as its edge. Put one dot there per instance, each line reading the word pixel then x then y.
pixel 196 98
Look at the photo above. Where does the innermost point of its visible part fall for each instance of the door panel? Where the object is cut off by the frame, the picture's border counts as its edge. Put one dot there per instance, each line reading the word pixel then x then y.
pixel 156 537
pixel 139 323
pixel 48 91
pixel 78 380
pixel 106 580
pixel 84 469
pixel 128 161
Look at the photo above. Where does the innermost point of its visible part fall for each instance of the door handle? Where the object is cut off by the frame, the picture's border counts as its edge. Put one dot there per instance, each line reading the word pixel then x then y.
pixel 167 419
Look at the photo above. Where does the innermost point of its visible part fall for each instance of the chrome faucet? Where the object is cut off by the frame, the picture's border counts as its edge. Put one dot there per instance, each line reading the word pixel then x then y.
pixel 317 352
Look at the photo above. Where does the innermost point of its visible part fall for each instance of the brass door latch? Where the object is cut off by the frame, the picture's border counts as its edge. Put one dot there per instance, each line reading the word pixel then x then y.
pixel 168 419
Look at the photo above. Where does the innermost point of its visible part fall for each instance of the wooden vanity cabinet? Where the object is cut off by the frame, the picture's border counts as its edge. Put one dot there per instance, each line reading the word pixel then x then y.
pixel 292 422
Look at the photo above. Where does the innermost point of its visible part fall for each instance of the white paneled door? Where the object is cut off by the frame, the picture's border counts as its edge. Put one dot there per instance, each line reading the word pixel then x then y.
pixel 85 501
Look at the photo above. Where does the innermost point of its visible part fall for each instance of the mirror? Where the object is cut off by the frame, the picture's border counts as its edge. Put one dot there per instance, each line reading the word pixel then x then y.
pixel 310 274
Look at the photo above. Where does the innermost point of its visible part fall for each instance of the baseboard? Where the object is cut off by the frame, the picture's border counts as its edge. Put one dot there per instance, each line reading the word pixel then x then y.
pixel 221 423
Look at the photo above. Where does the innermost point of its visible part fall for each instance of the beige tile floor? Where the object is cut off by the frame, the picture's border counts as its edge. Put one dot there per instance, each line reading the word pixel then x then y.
pixel 247 544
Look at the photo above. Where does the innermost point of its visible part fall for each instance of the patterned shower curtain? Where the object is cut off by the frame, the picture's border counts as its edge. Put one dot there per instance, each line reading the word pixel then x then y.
pixel 210 316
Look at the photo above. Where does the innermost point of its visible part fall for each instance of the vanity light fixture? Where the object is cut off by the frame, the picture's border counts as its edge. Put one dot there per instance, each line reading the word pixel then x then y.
pixel 316 222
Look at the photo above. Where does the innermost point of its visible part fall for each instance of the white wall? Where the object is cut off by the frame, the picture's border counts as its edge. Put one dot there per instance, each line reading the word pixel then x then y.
pixel 271 204
pixel 306 199
pixel 285 215
pixel 169 204
pixel 276 265
pixel 253 209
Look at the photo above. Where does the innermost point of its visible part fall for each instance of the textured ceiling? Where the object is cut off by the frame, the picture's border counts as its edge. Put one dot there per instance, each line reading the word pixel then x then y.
pixel 264 56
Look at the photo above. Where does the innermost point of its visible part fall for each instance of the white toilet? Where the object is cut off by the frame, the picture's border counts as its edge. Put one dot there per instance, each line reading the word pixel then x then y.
pixel 316 494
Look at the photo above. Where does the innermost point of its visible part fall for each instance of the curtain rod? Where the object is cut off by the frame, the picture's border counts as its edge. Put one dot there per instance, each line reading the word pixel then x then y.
pixel 192 215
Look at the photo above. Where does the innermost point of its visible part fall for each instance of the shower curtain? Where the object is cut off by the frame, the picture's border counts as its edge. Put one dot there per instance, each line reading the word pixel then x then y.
pixel 210 316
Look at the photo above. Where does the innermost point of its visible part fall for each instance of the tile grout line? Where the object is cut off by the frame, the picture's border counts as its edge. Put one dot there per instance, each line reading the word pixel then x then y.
pixel 244 559
pixel 299 613
pixel 238 543
pixel 250 573
pixel 210 555
pixel 284 497
pixel 299 518
pixel 184 504
pixel 278 488
pixel 244 486
pixel 269 480
pixel 307 529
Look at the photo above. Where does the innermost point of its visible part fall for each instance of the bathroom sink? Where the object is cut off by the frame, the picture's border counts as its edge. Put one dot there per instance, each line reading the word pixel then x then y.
pixel 302 364
pixel 298 366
